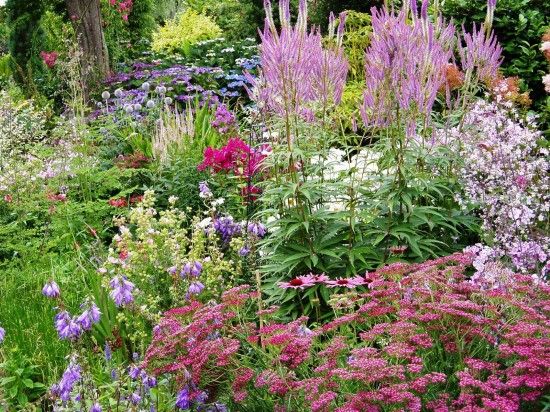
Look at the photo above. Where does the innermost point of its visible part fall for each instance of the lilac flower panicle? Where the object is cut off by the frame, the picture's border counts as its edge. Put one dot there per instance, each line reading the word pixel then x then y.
pixel 397 79
pixel 51 290
pixel 297 72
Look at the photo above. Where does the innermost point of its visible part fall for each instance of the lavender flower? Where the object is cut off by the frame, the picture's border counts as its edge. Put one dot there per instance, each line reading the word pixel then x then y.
pixel 195 288
pixel 244 251
pixel 66 326
pixel 135 398
pixel 96 407
pixel 134 372
pixel 204 190
pixel 51 290
pixel 108 352
pixel 401 81
pixel 2 334
pixel 226 227
pixel 480 55
pixel 257 229
pixel 183 401
pixel 297 71
pixel 70 378
pixel 121 291
pixel 196 269
pixel 89 317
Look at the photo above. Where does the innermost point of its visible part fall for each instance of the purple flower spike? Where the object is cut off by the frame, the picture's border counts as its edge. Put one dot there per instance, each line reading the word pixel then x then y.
pixel 51 290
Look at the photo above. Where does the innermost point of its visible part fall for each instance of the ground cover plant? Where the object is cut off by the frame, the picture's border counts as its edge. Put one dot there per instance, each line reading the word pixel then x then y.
pixel 265 206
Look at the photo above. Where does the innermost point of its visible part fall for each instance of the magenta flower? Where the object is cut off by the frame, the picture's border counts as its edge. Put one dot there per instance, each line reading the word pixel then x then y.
pixel 299 282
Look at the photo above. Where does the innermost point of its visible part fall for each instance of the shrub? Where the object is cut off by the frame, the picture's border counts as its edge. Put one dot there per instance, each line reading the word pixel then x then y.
pixel 185 30
pixel 519 25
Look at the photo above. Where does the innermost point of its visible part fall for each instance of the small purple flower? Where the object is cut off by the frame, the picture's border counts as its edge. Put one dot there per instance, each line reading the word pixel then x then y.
pixel 51 290
pixel 70 378
pixel 89 317
pixel 134 372
pixel 182 400
pixel 135 398
pixel 257 229
pixel 186 270
pixel 204 190
pixel 172 270
pixel 2 334
pixel 96 407
pixel 227 227
pixel 196 269
pixel 67 327
pixel 108 353
pixel 196 288
pixel 121 291
pixel 244 251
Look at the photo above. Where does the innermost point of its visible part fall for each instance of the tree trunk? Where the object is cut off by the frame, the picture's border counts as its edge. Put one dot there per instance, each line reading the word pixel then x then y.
pixel 88 24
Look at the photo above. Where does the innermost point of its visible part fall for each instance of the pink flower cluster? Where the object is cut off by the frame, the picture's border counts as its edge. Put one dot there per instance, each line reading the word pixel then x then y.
pixel 49 58
pixel 124 7
pixel 305 281
pixel 236 157
pixel 423 337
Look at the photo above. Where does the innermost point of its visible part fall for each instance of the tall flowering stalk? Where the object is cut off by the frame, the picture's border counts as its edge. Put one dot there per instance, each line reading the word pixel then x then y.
pixel 405 67
pixel 299 76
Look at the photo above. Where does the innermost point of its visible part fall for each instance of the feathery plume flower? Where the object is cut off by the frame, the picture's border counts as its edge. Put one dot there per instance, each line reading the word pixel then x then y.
pixel 297 72
pixel 480 54
pixel 405 67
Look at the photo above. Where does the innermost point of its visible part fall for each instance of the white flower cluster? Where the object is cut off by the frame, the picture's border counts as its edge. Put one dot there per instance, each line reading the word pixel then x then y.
pixel 21 125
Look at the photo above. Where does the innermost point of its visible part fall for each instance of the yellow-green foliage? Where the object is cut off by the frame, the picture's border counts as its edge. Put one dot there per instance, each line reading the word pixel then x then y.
pixel 185 30
pixel 356 40
pixel 349 107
